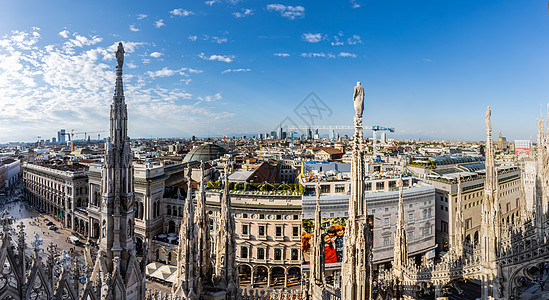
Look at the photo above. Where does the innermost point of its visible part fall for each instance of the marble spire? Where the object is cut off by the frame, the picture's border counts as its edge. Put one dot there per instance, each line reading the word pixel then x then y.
pixel 357 258
pixel 203 227
pixel 400 247
pixel 226 271
pixel 188 283
pixel 116 243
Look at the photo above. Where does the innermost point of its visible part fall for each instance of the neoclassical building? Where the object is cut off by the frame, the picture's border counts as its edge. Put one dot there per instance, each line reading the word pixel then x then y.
pixel 60 190
pixel 268 235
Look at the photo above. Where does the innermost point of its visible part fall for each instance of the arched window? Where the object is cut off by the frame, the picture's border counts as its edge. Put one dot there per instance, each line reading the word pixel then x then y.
pixel 141 210
pixel 294 254
pixel 181 211
pixel 278 254
pixel 260 253
pixel 169 209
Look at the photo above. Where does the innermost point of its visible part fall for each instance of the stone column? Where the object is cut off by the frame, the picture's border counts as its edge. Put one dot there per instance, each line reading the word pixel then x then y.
pixel 268 277
pixel 252 277
pixel 285 278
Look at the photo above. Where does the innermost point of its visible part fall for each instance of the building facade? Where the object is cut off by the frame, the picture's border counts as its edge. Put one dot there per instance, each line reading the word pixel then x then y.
pixel 60 190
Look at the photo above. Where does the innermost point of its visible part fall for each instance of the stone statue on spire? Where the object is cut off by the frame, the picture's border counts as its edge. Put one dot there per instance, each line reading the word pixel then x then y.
pixel 487 119
pixel 358 99
pixel 120 55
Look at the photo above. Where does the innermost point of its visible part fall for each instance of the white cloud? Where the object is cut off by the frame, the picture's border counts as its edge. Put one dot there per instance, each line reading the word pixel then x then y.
pixel 159 23
pixel 223 58
pixel 290 12
pixel 181 12
pixel 64 34
pixel 156 54
pixel 427 60
pixel 313 54
pixel 355 39
pixel 215 97
pixel 192 38
pixel 312 37
pixel 42 89
pixel 236 70
pixel 281 54
pixel 244 13
pixel 355 4
pixel 141 16
pixel 133 28
pixel 337 44
pixel 211 2
pixel 317 54
pixel 219 40
pixel 346 54
pixel 167 72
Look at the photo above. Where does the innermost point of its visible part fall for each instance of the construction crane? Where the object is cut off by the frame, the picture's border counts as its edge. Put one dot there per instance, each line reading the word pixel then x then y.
pixel 293 141
pixel 72 133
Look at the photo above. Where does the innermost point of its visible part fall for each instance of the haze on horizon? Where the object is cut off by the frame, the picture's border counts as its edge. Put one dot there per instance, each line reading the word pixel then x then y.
pixel 221 67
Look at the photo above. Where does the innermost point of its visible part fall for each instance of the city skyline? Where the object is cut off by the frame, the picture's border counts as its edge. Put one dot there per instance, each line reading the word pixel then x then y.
pixel 226 67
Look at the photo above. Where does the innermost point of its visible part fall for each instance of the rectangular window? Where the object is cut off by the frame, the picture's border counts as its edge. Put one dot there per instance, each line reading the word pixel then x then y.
pixel 380 185
pixel 279 217
pixel 261 216
pixel 368 186
pixel 508 206
pixel 386 241
pixel 243 252
pixel 426 230
pixel 410 236
pixel 468 224
pixel 278 231
pixel 325 188
pixel 339 188
pixel 386 209
pixel 410 217
pixel 386 221
pixel 245 229
pixel 444 226
pixel 295 231
pixel 296 217
pixel 261 230
pixel 244 216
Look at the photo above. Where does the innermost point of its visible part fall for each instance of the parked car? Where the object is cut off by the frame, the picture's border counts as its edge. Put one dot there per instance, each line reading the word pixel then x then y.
pixel 52 227
pixel 50 223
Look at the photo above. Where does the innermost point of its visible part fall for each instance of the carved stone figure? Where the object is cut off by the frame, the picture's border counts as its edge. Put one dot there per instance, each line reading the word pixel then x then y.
pixel 358 98
pixel 487 119
pixel 120 55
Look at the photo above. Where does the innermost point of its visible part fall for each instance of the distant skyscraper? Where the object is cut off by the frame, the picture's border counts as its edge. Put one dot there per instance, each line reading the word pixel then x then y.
pixel 53 140
pixel 383 138
pixel 61 136
pixel 273 134
pixel 332 134
pixel 309 134
pixel 280 132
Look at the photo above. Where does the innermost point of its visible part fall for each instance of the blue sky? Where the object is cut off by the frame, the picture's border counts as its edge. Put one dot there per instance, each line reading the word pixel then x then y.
pixel 224 67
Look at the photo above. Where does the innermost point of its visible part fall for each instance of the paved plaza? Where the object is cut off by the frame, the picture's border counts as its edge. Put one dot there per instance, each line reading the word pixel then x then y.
pixel 35 223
